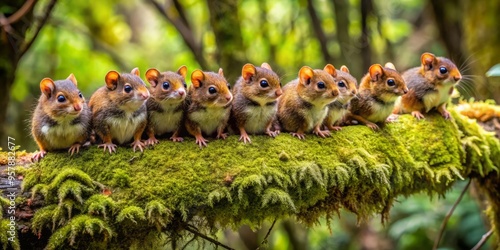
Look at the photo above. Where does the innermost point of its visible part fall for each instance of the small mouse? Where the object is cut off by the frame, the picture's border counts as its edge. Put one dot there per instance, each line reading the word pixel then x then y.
pixel 119 110
pixel 165 106
pixel 61 118
pixel 348 89
pixel 378 92
pixel 255 101
pixel 209 105
pixel 430 86
pixel 303 105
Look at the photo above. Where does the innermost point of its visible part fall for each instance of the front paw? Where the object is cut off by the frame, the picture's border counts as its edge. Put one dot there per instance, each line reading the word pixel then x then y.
pixel 446 114
pixel 75 148
pixel 301 136
pixel 176 139
pixel 138 144
pixel 222 136
pixel 245 138
pixel 273 134
pixel 111 147
pixel 392 118
pixel 334 128
pixel 202 142
pixel 373 126
pixel 38 156
pixel 151 141
pixel 417 115
pixel 321 133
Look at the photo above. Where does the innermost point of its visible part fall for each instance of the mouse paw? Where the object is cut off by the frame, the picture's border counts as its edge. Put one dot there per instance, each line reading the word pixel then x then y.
pixel 176 139
pixel 202 142
pixel 38 156
pixel 298 135
pixel 111 147
pixel 245 138
pixel 321 133
pixel 446 114
pixel 222 136
pixel 138 144
pixel 75 148
pixel 373 126
pixel 334 128
pixel 417 115
pixel 151 141
pixel 392 118
pixel 273 134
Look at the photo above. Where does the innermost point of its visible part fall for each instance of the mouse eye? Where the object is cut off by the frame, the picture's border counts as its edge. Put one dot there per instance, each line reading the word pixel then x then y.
pixel 212 90
pixel 321 85
pixel 228 86
pixel 443 70
pixel 127 88
pixel 80 95
pixel 391 82
pixel 185 85
pixel 264 84
pixel 341 84
pixel 61 98
pixel 166 85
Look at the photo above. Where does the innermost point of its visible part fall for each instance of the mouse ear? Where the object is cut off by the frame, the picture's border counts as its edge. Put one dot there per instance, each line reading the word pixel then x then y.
pixel 248 71
pixel 305 75
pixel 344 68
pixel 112 78
pixel 72 78
pixel 152 76
pixel 376 72
pixel 390 65
pixel 221 72
pixel 182 71
pixel 135 71
pixel 197 78
pixel 428 60
pixel 330 70
pixel 266 66
pixel 47 86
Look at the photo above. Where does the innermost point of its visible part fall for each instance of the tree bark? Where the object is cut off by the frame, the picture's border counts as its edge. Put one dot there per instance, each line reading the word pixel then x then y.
pixel 318 30
pixel 366 52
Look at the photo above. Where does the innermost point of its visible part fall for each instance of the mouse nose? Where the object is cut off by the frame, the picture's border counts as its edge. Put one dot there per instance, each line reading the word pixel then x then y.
pixel 353 91
pixel 279 92
pixel 335 93
pixel 405 90
pixel 229 97
pixel 457 78
pixel 182 92
pixel 77 107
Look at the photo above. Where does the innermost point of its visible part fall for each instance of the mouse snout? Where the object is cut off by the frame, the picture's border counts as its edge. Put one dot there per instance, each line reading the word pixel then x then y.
pixel 279 92
pixel 229 97
pixel 457 78
pixel 405 90
pixel 77 107
pixel 335 93
pixel 182 92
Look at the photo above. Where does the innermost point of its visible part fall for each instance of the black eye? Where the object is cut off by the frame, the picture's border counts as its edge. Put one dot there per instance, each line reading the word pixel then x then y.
pixel 321 85
pixel 228 86
pixel 80 95
pixel 212 90
pixel 391 82
pixel 166 85
pixel 341 84
pixel 264 84
pixel 61 98
pixel 185 85
pixel 443 70
pixel 127 88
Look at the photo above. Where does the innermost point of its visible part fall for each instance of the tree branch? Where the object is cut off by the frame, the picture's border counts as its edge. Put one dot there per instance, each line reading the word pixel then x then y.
pixel 264 241
pixel 48 11
pixel 448 215
pixel 19 13
pixel 318 30
pixel 483 240
pixel 195 231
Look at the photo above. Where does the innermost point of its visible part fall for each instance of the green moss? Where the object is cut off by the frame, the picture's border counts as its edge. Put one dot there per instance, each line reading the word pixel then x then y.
pixel 156 194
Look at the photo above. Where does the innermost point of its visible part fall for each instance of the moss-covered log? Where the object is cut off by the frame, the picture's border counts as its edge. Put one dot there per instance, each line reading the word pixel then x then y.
pixel 128 198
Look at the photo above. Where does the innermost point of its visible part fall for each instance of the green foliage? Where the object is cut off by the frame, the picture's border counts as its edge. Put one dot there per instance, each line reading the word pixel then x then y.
pixel 4 236
pixel 230 183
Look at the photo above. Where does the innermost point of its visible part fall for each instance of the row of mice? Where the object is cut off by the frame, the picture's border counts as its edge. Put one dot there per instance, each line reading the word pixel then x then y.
pixel 126 110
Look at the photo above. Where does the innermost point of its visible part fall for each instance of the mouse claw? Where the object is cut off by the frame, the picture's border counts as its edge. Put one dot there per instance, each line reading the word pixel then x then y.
pixel 301 136
pixel 38 156
pixel 373 126
pixel 392 118
pixel 446 115
pixel 245 138
pixel 138 144
pixel 176 139
pixel 222 136
pixel 111 147
pixel 322 133
pixel 151 141
pixel 75 148
pixel 417 115
pixel 272 134
pixel 202 142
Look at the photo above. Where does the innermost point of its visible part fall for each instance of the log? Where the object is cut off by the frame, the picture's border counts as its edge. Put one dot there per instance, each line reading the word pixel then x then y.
pixel 175 191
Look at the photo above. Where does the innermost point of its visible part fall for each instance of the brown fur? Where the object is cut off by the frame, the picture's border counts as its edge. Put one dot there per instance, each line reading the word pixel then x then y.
pixel 338 108
pixel 165 104
pixel 376 98
pixel 205 108
pixel 303 105
pixel 250 96
pixel 113 109
pixel 71 118
pixel 425 81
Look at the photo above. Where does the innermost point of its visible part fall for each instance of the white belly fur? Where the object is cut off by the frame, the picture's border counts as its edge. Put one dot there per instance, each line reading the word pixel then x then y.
pixel 335 114
pixel 380 112
pixel 258 118
pixel 62 136
pixel 123 129
pixel 209 119
pixel 435 99
pixel 316 117
pixel 166 122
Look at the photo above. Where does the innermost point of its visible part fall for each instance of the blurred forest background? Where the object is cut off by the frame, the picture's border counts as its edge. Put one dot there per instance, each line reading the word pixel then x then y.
pixel 51 38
